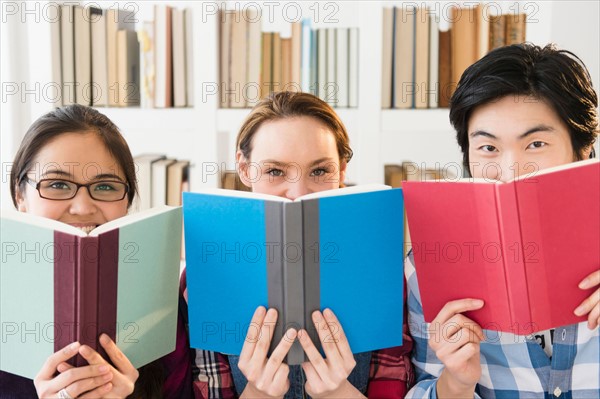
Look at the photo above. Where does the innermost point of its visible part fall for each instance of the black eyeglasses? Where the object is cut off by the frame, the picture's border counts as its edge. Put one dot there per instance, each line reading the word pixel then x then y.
pixel 60 189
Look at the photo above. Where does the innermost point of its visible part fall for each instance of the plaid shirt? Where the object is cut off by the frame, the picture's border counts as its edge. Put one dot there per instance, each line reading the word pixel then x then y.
pixel 391 372
pixel 512 366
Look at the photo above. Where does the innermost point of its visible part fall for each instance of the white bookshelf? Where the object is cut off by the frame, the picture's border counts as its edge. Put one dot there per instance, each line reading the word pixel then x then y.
pixel 205 134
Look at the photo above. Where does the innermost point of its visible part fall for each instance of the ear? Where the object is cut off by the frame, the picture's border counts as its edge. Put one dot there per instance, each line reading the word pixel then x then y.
pixel 242 166
pixel 21 205
pixel 343 166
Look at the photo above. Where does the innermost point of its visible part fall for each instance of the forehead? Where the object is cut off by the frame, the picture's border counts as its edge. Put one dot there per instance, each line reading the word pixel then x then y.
pixel 293 139
pixel 514 115
pixel 78 154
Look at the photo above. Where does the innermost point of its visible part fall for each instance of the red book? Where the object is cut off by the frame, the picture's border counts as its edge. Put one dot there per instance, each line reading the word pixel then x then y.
pixel 522 246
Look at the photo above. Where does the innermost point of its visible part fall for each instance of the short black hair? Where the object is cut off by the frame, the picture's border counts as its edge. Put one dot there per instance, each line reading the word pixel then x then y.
pixel 558 77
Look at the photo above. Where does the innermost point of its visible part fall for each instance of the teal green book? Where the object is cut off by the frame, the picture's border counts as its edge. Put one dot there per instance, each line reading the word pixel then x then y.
pixel 59 285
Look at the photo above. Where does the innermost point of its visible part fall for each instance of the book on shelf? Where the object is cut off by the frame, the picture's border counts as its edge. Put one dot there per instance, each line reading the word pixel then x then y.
pixel 296 57
pixel 54 19
pixel 330 85
pixel 515 28
pixel 252 92
pixel 143 170
pixel 121 279
pixel 238 61
pixel 353 57
pixel 99 61
pixel 341 71
pixel 422 42
pixel 179 57
pixel 296 256
pixel 387 46
pixel 128 68
pixel 147 65
pixel 445 69
pixel 163 53
pixel 511 244
pixel 286 64
pixel 67 53
pixel 225 23
pixel 306 44
pixel 159 185
pixel 463 40
pixel 404 54
pixel 322 58
pixel 116 20
pixel 178 181
pixel 434 63
pixel 83 55
pixel 276 62
pixel 497 31
pixel 188 15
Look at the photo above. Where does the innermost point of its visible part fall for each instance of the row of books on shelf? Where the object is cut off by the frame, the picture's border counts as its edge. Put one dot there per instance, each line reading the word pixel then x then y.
pixel 100 61
pixel 422 64
pixel 299 256
pixel 161 181
pixel 253 63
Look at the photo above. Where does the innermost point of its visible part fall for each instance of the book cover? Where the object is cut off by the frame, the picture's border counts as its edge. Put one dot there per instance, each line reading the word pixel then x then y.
pixel 122 279
pixel 296 256
pixel 510 244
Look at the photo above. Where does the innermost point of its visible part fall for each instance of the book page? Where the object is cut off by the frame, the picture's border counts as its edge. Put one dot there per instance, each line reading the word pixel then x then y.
pixel 362 188
pixel 42 222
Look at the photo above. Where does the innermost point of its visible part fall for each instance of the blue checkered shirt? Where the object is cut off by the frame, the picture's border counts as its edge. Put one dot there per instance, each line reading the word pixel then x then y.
pixel 512 366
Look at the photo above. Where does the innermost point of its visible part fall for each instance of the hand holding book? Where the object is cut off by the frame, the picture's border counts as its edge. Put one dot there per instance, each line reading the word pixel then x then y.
pixel 591 306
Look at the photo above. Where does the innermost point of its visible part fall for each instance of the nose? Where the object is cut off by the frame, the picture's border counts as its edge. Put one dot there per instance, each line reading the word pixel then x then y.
pixel 297 189
pixel 82 203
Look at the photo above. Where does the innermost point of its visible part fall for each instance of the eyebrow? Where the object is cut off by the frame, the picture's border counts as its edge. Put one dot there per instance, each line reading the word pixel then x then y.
pixel 535 129
pixel 283 164
pixel 102 176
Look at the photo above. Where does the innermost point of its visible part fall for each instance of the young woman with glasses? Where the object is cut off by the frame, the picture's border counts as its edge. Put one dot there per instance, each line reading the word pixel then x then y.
pixel 74 166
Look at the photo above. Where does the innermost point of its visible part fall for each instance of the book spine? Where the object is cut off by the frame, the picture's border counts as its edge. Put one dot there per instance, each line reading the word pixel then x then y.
pixel 108 271
pixel 294 314
pixel 312 269
pixel 511 244
pixel 65 301
pixel 87 294
pixel 275 286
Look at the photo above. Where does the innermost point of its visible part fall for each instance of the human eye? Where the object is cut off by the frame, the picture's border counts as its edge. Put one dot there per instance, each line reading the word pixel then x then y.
pixel 57 185
pixel 274 172
pixel 319 172
pixel 488 148
pixel 106 186
pixel 536 144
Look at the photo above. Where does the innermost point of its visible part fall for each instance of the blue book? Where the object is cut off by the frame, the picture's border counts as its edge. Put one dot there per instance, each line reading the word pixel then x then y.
pixel 338 249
